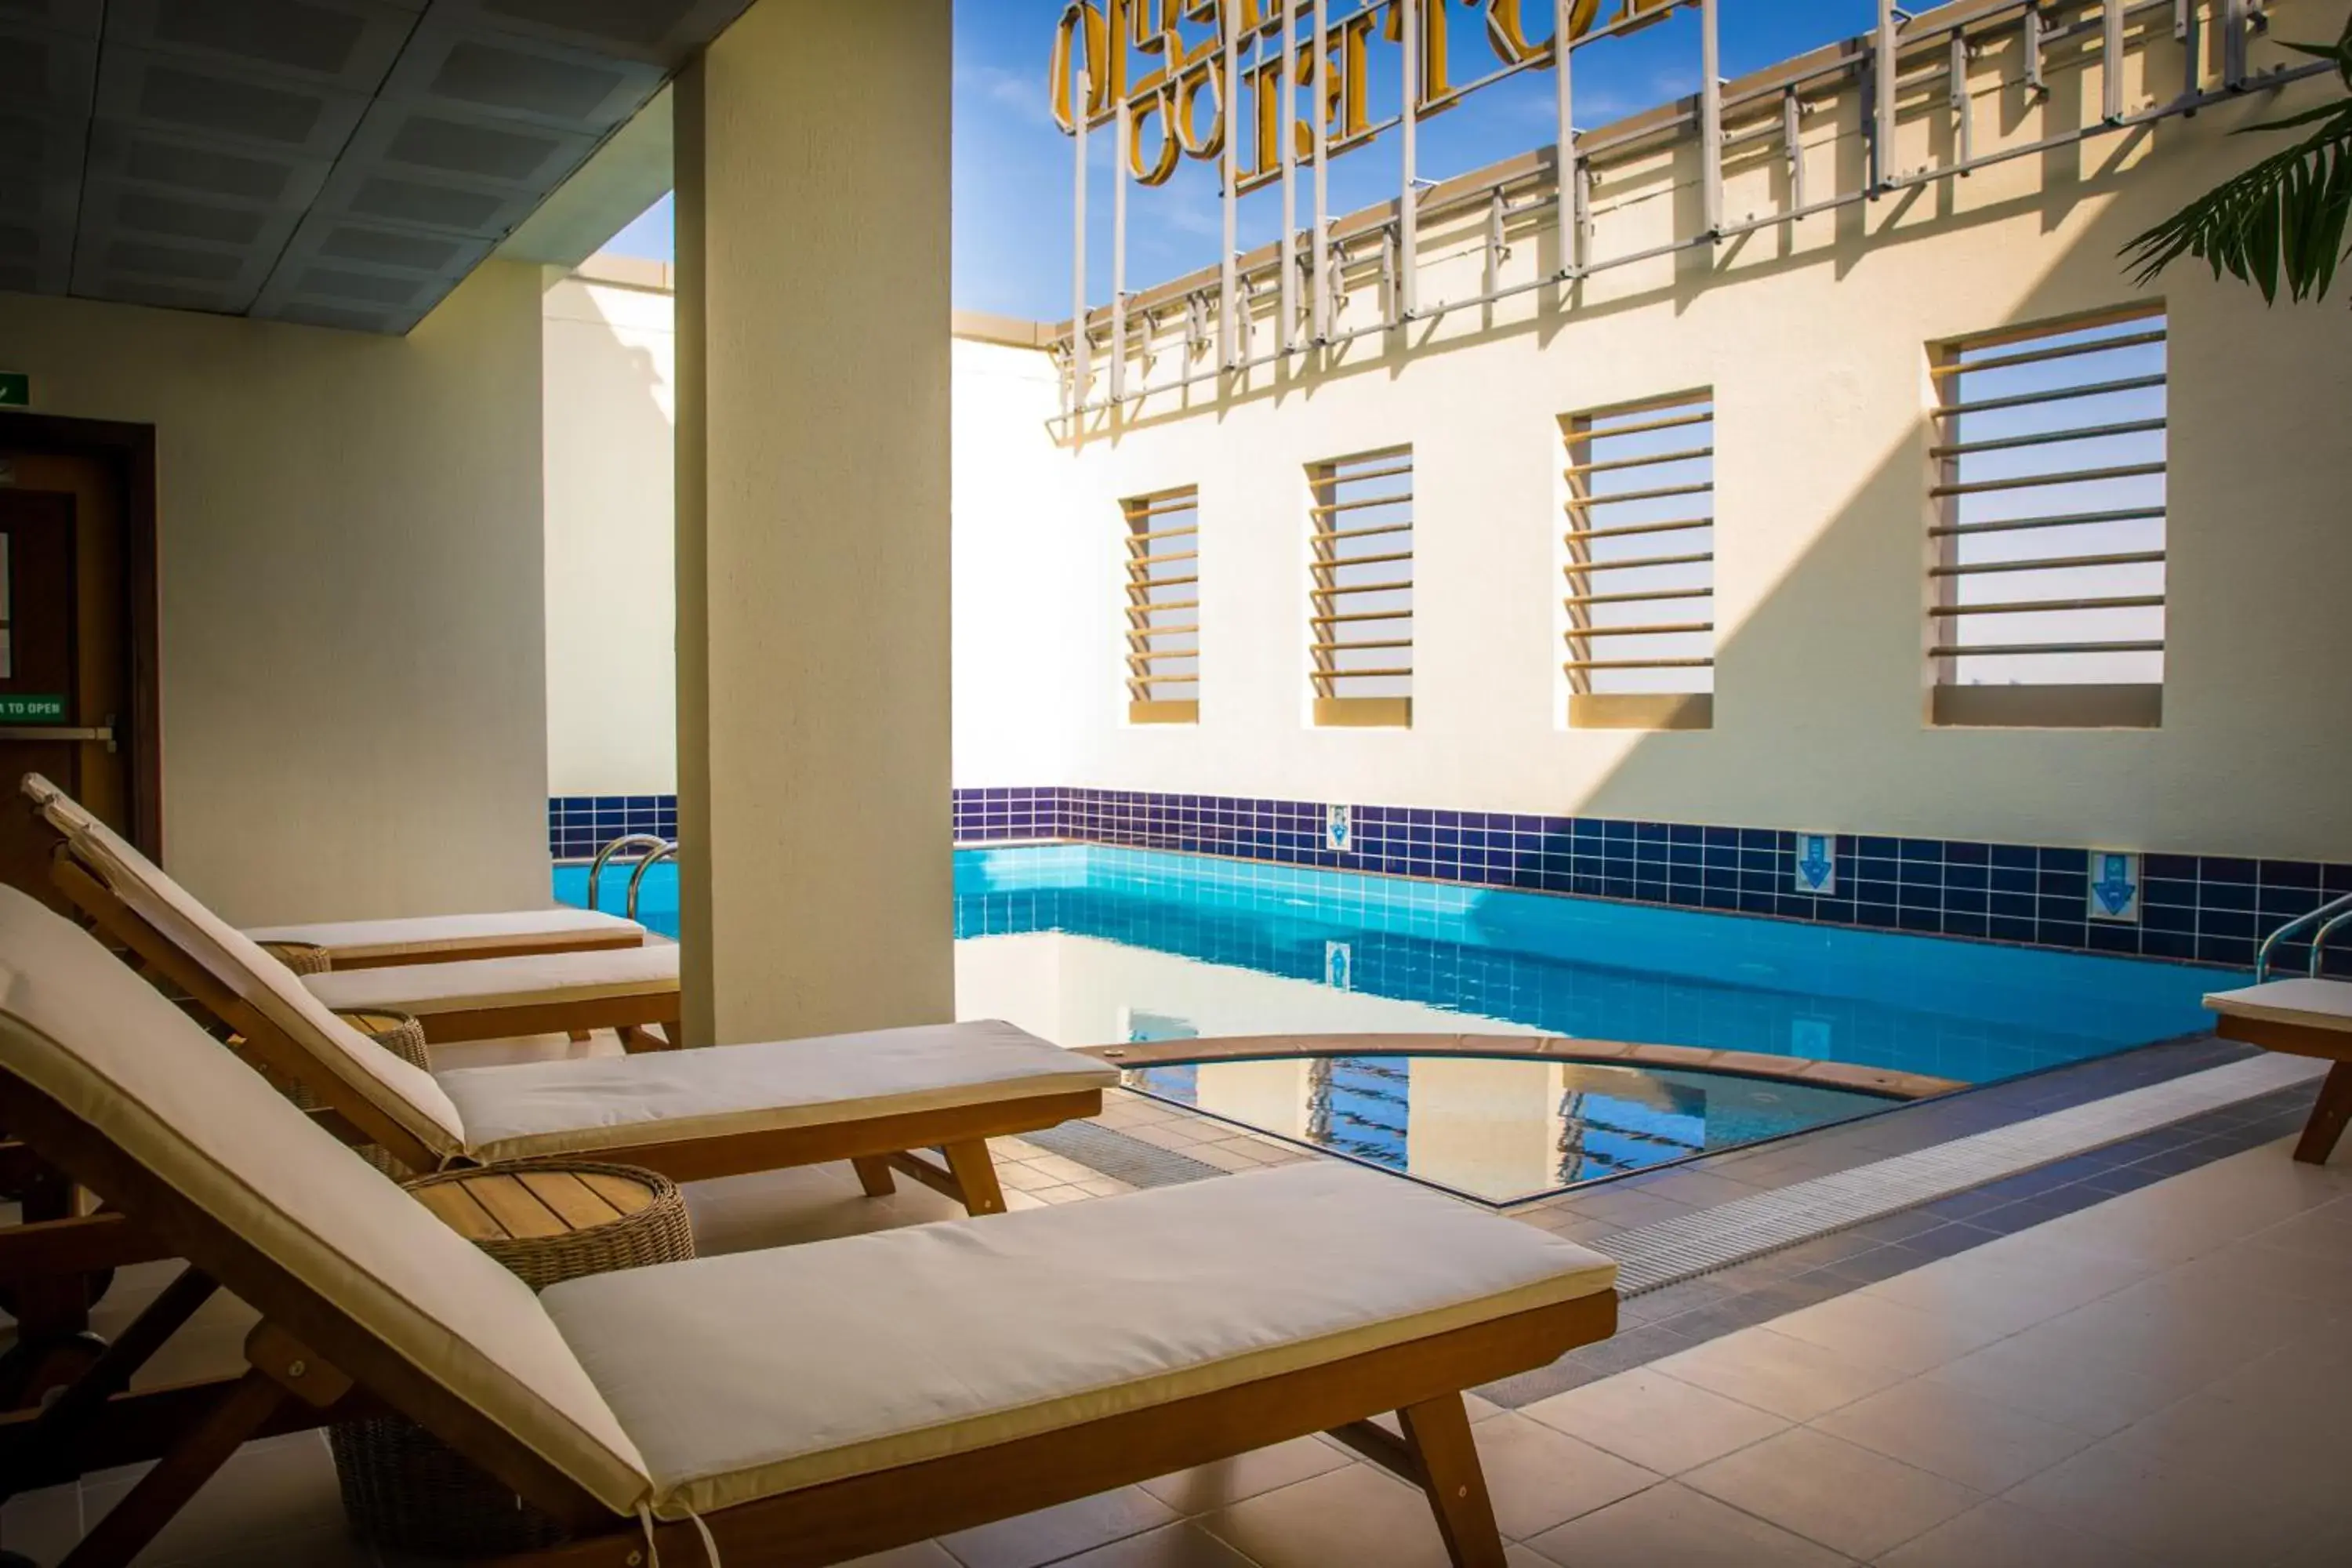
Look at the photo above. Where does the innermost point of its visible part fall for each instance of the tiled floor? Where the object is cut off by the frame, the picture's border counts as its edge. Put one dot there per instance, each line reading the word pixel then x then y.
pixel 2155 1380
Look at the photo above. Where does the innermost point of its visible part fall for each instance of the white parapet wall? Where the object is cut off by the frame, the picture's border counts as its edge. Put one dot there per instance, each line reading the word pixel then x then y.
pixel 1814 337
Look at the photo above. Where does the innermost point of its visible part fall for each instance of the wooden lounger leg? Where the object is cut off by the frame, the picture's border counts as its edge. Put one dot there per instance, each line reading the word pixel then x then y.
pixel 2328 1117
pixel 975 1175
pixel 46 1449
pixel 969 1176
pixel 163 1491
pixel 874 1175
pixel 1438 1432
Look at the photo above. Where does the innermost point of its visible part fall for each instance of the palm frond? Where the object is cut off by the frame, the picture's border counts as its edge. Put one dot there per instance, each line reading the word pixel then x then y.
pixel 2283 219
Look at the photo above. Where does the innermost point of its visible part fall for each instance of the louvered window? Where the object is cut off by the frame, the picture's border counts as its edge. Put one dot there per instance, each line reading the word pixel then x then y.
pixel 2046 582
pixel 1639 606
pixel 1359 588
pixel 1163 607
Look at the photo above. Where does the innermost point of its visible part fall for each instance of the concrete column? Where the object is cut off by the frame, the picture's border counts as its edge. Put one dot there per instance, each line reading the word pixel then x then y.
pixel 813 309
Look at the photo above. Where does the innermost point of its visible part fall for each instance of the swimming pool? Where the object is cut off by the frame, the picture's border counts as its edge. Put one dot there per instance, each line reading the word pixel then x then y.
pixel 1089 945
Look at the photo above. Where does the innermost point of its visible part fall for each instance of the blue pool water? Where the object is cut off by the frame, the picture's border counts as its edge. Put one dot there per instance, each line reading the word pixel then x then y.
pixel 1149 944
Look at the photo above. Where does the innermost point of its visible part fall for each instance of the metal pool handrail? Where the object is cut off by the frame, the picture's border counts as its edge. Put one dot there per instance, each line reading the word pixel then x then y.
pixel 645 841
pixel 2340 909
pixel 669 851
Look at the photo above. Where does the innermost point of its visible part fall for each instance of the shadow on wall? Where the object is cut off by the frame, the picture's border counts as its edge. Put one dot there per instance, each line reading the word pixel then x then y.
pixel 2257 557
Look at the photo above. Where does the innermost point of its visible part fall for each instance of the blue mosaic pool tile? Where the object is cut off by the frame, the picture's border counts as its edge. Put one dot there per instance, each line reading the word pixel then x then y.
pixel 2208 908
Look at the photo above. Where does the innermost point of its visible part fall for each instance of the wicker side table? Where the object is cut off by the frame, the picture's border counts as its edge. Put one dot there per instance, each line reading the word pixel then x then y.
pixel 546 1221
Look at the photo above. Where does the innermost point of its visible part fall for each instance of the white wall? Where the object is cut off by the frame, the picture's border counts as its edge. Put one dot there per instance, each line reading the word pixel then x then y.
pixel 1814 343
pixel 354 654
pixel 611 370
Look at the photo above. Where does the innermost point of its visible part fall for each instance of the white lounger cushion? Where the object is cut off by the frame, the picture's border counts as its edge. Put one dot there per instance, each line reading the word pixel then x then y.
pixel 235 960
pixel 426 935
pixel 92 1036
pixel 472 985
pixel 577 1106
pixel 2313 1003
pixel 743 1376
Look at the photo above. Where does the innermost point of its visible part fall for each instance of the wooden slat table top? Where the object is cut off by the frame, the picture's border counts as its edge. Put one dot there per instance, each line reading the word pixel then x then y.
pixel 526 1206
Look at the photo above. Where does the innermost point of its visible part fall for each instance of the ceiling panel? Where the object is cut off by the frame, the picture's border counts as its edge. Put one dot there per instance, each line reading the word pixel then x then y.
pixel 344 163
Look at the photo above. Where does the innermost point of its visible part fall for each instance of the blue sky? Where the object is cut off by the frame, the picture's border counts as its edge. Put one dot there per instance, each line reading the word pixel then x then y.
pixel 1014 167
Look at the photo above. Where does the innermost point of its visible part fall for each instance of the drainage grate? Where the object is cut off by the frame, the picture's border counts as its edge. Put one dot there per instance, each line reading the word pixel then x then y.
pixel 1653 1256
pixel 1120 1157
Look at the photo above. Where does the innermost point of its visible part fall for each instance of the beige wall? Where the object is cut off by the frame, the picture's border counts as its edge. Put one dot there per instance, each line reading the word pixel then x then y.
pixel 353 656
pixel 610 356
pixel 812 224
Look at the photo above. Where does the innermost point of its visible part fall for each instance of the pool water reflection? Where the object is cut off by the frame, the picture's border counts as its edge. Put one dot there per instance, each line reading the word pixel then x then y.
pixel 1493 1128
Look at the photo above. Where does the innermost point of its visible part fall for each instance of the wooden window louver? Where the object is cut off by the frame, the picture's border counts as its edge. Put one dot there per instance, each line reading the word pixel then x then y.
pixel 1639 601
pixel 1359 588
pixel 2046 558
pixel 1163 606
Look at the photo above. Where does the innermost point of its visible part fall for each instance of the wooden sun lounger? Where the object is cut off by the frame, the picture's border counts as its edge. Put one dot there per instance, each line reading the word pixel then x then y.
pixel 317 946
pixel 786 1402
pixel 632 990
pixel 696 1115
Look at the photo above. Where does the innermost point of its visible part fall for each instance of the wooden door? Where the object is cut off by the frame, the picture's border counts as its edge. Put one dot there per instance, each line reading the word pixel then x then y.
pixel 69 643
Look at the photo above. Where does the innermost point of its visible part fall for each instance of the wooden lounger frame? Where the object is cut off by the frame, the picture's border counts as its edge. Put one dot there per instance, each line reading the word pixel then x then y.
pixel 2333 1111
pixel 310 1362
pixel 587 940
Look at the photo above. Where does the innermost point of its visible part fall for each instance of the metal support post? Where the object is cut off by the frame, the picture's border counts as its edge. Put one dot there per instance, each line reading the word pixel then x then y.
pixel 1793 140
pixel 1228 270
pixel 2111 61
pixel 1126 128
pixel 1964 120
pixel 1882 100
pixel 1286 336
pixel 1320 238
pixel 1565 161
pixel 1080 369
pixel 1710 117
pixel 1408 197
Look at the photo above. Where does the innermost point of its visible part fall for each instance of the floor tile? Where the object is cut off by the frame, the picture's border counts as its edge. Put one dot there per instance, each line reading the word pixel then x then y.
pixel 1205 1487
pixel 2012 1283
pixel 1671 1526
pixel 1832 1493
pixel 923 1555
pixel 2000 1534
pixel 1888 1334
pixel 2048 1376
pixel 1539 1478
pixel 1773 1373
pixel 1186 1545
pixel 1052 1533
pixel 282 1490
pixel 2180 1515
pixel 1360 1516
pixel 1658 1422
pixel 1954 1434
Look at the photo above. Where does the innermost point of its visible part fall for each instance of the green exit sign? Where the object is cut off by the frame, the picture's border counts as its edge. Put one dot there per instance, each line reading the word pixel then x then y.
pixel 16 389
pixel 32 708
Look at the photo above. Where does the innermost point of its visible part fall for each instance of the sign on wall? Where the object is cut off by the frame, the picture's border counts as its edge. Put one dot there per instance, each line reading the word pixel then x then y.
pixel 16 389
pixel 36 708
pixel 1165 60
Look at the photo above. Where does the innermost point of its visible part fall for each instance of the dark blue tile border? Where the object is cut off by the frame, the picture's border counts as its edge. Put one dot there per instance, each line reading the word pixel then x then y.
pixel 2199 909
